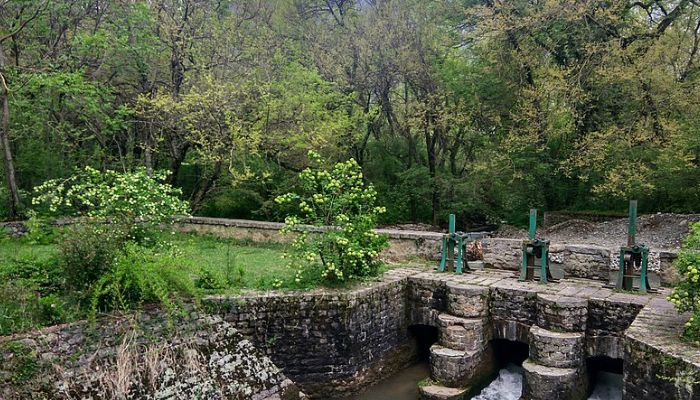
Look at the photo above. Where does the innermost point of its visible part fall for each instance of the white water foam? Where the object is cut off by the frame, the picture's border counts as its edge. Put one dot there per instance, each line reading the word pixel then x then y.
pixel 509 386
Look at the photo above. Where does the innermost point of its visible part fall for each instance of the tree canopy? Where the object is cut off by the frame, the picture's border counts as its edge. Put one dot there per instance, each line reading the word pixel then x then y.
pixel 477 107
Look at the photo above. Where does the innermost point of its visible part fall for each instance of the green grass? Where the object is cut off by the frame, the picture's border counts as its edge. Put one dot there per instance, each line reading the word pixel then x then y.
pixel 33 291
pixel 242 265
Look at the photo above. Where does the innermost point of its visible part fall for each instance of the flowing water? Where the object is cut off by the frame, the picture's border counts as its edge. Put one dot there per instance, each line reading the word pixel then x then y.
pixel 400 386
pixel 507 385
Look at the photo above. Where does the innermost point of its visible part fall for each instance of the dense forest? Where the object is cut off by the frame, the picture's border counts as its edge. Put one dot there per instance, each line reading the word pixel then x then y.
pixel 479 107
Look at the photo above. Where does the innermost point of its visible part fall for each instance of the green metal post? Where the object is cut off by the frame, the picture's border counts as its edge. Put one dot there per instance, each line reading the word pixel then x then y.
pixel 533 223
pixel 632 229
pixel 458 268
pixel 543 262
pixel 643 275
pixel 523 268
pixel 444 254
pixel 452 223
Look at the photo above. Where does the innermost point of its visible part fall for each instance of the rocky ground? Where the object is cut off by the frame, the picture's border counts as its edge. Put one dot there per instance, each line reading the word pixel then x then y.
pixel 660 231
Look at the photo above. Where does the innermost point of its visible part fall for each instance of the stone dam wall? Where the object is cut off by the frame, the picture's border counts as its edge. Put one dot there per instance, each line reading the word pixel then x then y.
pixel 330 342
pixel 335 343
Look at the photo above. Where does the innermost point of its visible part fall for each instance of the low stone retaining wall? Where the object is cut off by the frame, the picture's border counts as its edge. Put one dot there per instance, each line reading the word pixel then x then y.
pixel 151 357
pixel 402 244
pixel 571 260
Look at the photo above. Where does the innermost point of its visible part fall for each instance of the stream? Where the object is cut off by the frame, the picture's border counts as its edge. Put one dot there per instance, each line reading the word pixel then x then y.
pixel 507 385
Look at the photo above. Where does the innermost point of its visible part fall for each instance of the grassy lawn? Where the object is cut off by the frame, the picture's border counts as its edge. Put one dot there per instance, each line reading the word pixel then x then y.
pixel 32 292
pixel 242 264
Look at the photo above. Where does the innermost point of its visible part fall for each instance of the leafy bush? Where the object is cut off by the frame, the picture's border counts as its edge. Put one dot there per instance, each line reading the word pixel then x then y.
pixel 87 252
pixel 52 310
pixel 686 294
pixel 210 279
pixel 233 203
pixel 18 308
pixel 40 231
pixel 338 198
pixel 142 275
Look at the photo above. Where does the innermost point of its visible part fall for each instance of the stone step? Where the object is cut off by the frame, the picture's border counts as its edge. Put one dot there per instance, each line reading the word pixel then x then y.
pixel 436 392
pixel 549 383
pixel 460 368
pixel 556 349
pixel 463 333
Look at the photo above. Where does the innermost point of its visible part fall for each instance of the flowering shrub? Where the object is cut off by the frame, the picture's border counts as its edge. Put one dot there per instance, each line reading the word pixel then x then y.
pixel 686 294
pixel 134 204
pixel 125 196
pixel 338 198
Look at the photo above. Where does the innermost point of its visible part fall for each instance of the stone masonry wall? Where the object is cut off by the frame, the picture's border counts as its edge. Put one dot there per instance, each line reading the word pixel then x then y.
pixel 658 364
pixel 331 343
pixel 146 357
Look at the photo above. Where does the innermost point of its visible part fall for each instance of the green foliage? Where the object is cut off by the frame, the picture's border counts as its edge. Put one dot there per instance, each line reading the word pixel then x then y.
pixel 40 231
pixel 233 203
pixel 22 361
pixel 53 310
pixel 338 198
pixel 41 274
pixel 87 252
pixel 141 276
pixel 686 294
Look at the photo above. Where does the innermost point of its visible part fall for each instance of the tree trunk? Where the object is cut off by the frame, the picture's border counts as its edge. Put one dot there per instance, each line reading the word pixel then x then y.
pixel 206 187
pixel 5 141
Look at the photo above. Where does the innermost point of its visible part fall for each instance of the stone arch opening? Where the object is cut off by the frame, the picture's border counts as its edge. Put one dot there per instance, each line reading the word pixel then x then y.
pixel 605 374
pixel 509 352
pixel 423 336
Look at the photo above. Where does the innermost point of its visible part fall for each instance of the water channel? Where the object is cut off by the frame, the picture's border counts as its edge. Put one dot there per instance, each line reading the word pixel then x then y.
pixel 506 386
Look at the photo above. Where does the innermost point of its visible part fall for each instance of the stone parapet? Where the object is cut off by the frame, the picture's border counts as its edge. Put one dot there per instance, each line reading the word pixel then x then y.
pixel 658 363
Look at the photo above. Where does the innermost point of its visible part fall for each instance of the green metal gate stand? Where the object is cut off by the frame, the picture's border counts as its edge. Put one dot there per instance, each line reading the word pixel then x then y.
pixel 534 248
pixel 460 241
pixel 633 256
